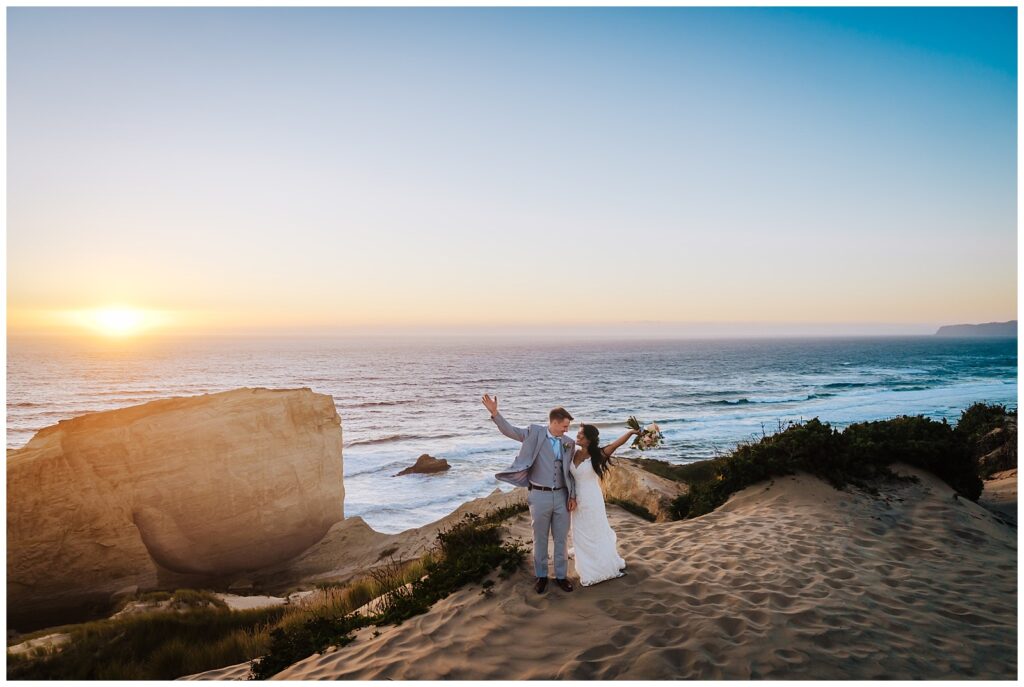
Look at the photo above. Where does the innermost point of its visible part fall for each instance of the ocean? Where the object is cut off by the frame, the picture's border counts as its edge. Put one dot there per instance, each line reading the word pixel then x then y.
pixel 401 397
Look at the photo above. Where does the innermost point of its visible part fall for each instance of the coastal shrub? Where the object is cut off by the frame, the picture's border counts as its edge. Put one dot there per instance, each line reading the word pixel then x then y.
pixel 981 418
pixel 464 553
pixel 858 455
pixel 991 433
pixel 153 645
pixel 634 508
pixel 921 442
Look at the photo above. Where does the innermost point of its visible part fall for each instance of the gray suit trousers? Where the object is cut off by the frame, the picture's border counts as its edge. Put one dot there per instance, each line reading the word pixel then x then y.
pixel 550 516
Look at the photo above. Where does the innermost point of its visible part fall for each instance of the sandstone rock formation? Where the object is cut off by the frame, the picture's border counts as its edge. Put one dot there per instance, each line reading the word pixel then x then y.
pixel 185 489
pixel 426 465
pixel 627 481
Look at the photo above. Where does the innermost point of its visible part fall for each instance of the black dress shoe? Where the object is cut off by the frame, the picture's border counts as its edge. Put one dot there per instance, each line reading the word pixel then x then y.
pixel 541 584
pixel 565 584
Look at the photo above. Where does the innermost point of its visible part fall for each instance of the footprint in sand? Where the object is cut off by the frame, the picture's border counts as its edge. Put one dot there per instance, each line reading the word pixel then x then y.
pixel 731 627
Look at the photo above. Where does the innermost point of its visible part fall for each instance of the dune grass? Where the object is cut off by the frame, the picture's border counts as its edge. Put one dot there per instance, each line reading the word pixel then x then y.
pixel 150 645
pixel 195 632
pixel 465 553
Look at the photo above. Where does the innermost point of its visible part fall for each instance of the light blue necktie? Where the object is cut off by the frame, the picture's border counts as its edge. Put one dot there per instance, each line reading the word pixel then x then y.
pixel 556 447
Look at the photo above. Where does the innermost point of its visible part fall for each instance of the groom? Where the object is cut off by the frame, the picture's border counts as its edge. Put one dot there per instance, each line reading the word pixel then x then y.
pixel 542 466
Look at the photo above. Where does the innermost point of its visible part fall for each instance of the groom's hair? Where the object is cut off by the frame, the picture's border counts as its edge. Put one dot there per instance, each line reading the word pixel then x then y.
pixel 559 413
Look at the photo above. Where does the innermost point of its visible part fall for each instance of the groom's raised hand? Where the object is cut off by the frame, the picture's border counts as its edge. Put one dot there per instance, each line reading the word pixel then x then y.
pixel 491 404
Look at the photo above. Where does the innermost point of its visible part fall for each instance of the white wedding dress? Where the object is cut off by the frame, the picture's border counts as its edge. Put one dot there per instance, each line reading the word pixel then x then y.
pixel 594 541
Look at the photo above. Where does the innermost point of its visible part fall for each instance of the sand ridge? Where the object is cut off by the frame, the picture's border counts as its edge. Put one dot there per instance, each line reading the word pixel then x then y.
pixel 789 579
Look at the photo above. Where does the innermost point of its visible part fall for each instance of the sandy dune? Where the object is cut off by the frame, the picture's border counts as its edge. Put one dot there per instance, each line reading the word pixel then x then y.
pixel 238 671
pixel 1000 494
pixel 790 579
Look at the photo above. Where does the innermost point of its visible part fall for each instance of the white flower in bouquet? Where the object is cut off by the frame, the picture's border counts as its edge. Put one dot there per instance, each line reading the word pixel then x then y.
pixel 647 437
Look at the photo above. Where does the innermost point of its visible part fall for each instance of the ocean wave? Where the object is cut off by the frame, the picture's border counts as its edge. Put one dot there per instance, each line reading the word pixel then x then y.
pixel 768 401
pixel 450 501
pixel 371 404
pixel 393 438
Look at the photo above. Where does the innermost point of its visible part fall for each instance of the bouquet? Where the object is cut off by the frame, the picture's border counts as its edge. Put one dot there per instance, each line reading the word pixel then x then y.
pixel 647 437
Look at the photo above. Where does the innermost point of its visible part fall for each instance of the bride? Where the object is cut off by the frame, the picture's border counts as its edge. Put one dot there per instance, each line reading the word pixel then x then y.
pixel 593 538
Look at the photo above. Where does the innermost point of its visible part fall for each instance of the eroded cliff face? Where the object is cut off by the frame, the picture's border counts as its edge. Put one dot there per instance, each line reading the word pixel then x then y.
pixel 200 487
pixel 627 481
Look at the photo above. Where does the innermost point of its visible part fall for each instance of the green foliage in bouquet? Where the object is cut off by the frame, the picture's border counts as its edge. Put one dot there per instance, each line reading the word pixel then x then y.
pixel 634 424
pixel 647 437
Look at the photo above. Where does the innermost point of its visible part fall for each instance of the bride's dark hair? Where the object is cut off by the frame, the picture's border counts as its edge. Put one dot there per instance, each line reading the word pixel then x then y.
pixel 597 458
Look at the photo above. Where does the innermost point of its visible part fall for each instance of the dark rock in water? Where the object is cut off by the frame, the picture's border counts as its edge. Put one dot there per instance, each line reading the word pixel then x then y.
pixel 426 465
pixel 993 329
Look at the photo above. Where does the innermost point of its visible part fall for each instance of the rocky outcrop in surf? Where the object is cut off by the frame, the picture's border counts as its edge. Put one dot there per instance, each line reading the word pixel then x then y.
pixel 426 465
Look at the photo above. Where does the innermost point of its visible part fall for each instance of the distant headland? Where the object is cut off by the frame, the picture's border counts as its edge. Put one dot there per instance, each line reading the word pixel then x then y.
pixel 992 329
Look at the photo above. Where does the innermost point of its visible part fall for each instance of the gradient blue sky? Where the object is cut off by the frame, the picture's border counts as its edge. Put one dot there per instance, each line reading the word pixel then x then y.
pixel 321 169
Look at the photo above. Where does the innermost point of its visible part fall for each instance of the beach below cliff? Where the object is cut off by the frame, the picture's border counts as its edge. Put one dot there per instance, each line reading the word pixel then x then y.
pixel 791 579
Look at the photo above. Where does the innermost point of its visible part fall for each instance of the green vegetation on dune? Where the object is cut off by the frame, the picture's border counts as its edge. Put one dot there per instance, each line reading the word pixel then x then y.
pixel 858 455
pixel 980 419
pixel 195 631
pixel 151 645
pixel 992 431
pixel 465 553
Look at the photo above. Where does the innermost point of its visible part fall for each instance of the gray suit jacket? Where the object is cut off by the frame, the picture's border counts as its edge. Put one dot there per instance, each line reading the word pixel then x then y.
pixel 532 438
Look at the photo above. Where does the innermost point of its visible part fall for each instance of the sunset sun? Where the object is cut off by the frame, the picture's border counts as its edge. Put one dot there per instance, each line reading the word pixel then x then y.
pixel 116 321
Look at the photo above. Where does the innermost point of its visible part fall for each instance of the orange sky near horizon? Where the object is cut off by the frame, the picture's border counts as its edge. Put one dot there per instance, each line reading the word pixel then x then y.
pixel 773 169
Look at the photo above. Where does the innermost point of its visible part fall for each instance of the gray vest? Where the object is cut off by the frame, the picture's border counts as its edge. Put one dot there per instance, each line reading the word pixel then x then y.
pixel 546 471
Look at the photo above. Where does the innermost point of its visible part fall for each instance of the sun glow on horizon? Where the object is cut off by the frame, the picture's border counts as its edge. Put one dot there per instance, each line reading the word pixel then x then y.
pixel 116 321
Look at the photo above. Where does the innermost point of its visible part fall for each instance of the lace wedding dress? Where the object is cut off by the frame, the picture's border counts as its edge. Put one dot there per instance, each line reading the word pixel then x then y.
pixel 594 541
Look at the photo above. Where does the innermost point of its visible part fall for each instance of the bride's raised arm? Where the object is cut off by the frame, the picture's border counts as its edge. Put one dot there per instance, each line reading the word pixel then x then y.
pixel 610 448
